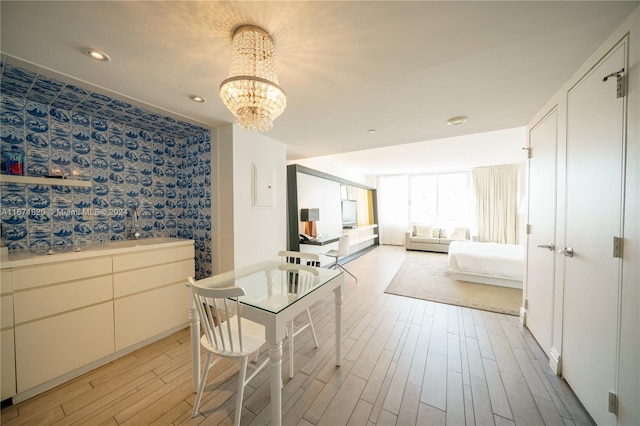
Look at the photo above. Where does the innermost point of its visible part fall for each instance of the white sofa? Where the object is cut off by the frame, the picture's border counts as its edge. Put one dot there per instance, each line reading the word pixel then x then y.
pixel 433 238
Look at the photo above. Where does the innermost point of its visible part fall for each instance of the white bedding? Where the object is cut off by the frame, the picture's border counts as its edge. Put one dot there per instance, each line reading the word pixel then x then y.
pixel 489 259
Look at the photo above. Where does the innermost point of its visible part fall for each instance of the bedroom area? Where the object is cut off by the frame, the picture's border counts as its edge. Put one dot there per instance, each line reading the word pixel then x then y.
pixel 456 208
pixel 463 235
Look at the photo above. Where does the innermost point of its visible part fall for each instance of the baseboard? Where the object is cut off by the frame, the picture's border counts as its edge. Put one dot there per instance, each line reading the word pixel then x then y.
pixel 523 316
pixel 554 361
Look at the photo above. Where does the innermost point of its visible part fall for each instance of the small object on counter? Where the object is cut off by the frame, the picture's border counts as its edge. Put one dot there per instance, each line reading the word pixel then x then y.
pixel 14 161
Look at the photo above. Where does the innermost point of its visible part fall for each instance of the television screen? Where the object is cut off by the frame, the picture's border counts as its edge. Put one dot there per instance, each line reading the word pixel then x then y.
pixel 349 214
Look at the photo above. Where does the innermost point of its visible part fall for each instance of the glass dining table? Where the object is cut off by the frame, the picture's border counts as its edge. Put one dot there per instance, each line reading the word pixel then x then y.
pixel 273 298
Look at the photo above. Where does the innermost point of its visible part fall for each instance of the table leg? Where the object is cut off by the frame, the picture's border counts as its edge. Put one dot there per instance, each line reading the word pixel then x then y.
pixel 291 348
pixel 194 325
pixel 338 302
pixel 275 356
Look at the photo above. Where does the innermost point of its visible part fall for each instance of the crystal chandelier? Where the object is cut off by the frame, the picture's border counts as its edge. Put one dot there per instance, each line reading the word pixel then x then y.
pixel 252 92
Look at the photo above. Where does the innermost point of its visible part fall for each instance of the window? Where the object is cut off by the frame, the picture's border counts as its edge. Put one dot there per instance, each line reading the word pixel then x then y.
pixel 442 199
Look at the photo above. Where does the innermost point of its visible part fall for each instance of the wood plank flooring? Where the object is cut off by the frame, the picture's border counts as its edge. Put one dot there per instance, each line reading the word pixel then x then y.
pixel 406 362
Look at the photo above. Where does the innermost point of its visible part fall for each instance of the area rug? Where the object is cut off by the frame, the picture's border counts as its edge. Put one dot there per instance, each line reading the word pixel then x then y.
pixel 425 275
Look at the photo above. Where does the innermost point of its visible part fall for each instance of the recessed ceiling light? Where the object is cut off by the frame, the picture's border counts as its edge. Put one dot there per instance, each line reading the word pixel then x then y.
pixel 98 55
pixel 372 131
pixel 196 98
pixel 456 121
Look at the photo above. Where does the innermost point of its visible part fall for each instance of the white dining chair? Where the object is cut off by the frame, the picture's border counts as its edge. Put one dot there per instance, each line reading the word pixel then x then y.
pixel 343 250
pixel 310 260
pixel 226 334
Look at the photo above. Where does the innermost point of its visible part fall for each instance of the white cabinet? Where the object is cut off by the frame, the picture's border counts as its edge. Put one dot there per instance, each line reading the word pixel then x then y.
pixel 53 346
pixel 362 237
pixel 150 293
pixel 7 343
pixel 62 316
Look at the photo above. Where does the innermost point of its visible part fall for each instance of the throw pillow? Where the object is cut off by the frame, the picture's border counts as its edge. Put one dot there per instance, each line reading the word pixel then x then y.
pixel 459 233
pixel 423 231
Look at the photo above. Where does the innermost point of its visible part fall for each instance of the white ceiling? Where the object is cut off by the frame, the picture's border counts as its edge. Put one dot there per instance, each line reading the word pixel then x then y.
pixel 402 68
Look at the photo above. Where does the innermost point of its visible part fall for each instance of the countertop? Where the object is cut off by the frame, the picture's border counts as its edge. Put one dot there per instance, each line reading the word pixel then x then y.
pixel 18 258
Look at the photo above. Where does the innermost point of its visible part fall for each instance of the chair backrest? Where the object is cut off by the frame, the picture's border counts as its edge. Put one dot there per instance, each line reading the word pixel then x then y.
pixel 344 244
pixel 215 306
pixel 299 279
pixel 310 259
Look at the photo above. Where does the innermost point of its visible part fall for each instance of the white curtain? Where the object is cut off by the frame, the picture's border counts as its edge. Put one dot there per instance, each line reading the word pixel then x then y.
pixel 393 209
pixel 496 193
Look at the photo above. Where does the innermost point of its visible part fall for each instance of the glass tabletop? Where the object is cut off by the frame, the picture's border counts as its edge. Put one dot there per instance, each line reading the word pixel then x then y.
pixel 271 285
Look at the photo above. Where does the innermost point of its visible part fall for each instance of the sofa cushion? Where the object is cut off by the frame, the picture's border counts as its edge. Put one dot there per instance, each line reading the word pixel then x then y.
pixel 425 240
pixel 459 233
pixel 423 231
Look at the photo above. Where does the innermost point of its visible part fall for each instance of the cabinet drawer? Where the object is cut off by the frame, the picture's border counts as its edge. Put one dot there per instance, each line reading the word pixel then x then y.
pixel 6 304
pixel 141 316
pixel 150 258
pixel 37 276
pixel 7 365
pixel 138 280
pixel 54 346
pixel 41 302
pixel 6 281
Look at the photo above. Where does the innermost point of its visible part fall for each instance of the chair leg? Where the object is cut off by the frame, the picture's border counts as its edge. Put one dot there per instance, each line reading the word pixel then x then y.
pixel 242 375
pixel 203 381
pixel 313 330
pixel 343 268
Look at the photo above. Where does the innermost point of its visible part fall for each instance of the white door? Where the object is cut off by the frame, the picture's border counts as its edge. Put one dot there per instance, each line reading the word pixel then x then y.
pixel 543 140
pixel 595 142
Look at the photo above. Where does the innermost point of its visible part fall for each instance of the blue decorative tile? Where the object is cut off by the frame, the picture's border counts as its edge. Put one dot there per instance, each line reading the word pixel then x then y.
pixel 132 157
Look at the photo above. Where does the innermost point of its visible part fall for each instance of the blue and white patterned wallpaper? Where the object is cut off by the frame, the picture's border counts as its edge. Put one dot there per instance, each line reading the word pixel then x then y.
pixel 131 156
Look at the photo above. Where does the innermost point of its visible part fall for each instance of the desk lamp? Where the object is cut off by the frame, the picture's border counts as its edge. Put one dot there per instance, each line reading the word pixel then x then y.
pixel 309 217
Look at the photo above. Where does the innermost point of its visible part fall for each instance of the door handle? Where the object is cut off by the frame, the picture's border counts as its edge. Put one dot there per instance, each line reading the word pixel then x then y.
pixel 549 246
pixel 567 251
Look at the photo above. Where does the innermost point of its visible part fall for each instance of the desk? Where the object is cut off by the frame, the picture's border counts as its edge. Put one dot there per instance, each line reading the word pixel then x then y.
pixel 320 241
pixel 267 301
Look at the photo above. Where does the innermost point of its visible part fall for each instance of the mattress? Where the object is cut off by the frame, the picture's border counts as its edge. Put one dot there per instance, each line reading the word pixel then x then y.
pixel 491 259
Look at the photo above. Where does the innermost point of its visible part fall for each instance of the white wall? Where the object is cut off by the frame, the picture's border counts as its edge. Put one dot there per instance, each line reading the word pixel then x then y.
pixel 259 232
pixel 324 194
pixel 222 201
pixel 244 234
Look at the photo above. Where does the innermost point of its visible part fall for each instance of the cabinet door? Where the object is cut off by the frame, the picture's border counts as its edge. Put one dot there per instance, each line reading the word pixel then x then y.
pixel 53 346
pixel 7 343
pixel 59 272
pixel 7 365
pixel 144 315
pixel 151 300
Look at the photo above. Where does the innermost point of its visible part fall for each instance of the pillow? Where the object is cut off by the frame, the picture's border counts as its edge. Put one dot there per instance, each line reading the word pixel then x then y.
pixel 459 233
pixel 423 231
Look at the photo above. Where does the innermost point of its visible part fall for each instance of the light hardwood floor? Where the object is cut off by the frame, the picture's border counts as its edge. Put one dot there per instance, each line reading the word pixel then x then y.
pixel 406 362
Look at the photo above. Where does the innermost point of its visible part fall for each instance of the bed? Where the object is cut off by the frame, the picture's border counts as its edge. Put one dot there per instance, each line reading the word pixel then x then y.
pixel 487 263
